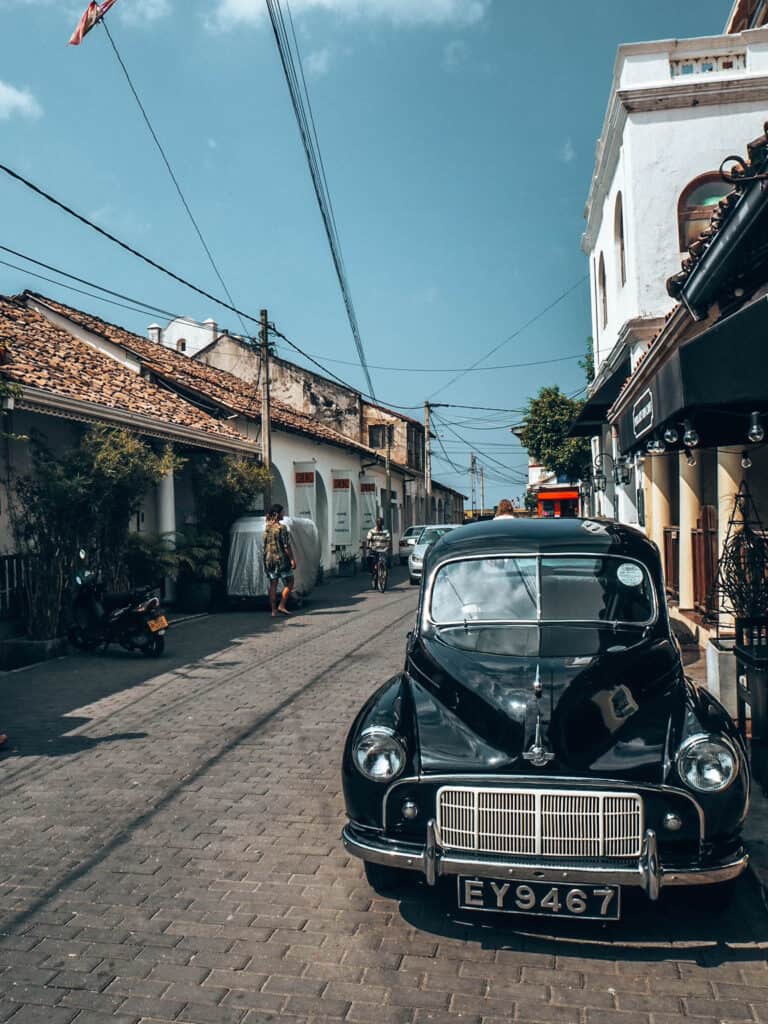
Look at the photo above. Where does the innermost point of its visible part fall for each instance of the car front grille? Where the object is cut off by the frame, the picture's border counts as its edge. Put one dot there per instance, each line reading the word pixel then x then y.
pixel 541 822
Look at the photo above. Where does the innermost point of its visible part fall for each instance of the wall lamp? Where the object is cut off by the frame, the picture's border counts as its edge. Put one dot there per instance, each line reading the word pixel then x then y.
pixel 756 432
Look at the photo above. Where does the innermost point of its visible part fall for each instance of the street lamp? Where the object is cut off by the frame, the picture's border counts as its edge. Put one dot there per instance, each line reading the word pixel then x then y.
pixel 621 470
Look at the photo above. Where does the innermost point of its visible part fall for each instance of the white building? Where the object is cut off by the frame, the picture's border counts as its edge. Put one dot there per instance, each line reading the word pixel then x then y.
pixel 676 107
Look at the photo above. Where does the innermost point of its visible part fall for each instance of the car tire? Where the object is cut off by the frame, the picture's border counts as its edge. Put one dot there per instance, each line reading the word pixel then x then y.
pixel 384 879
pixel 414 581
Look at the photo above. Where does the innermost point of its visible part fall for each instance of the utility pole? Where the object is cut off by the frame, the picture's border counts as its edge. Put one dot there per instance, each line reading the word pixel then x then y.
pixel 388 478
pixel 266 419
pixel 427 464
pixel 473 474
pixel 482 490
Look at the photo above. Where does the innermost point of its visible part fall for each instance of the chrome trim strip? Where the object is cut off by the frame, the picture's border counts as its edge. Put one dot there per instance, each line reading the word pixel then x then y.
pixel 563 782
pixel 410 857
pixel 650 867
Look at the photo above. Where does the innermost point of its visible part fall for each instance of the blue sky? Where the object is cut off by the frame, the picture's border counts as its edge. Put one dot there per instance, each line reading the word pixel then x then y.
pixel 458 138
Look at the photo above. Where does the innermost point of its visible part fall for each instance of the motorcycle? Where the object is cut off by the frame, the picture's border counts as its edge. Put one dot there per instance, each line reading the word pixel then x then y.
pixel 99 618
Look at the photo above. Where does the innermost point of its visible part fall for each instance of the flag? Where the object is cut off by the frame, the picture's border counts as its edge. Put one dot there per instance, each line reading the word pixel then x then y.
pixel 93 13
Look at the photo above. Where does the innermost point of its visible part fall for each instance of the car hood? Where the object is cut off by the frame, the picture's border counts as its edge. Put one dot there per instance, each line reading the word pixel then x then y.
pixel 611 712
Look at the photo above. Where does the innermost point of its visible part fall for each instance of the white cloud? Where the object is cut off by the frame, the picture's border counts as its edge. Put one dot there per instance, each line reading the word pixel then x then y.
pixel 567 152
pixel 318 63
pixel 142 12
pixel 17 101
pixel 228 13
pixel 455 54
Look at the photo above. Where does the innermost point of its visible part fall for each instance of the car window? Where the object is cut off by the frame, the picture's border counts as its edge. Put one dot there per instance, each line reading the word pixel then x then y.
pixel 553 589
pixel 412 531
pixel 486 589
pixel 431 534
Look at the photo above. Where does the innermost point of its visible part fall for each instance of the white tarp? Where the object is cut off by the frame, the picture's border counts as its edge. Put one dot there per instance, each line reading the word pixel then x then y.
pixel 245 572
pixel 305 485
pixel 341 507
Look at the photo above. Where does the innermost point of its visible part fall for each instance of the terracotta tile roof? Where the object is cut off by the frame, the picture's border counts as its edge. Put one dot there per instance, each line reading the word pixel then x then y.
pixel 40 355
pixel 217 386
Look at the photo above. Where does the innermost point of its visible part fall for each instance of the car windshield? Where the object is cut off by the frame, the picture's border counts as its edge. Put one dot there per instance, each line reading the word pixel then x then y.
pixel 431 534
pixel 412 532
pixel 530 589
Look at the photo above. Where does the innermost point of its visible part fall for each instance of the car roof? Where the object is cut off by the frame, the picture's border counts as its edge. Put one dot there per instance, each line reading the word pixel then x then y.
pixel 545 536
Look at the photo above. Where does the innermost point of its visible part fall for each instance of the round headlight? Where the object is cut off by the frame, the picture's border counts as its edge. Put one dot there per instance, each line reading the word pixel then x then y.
pixel 707 764
pixel 379 755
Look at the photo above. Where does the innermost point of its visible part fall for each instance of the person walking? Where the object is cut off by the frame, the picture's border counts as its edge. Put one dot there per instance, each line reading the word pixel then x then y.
pixel 505 509
pixel 279 562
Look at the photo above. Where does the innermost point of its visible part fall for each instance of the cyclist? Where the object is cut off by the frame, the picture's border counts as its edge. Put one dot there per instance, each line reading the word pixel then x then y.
pixel 377 542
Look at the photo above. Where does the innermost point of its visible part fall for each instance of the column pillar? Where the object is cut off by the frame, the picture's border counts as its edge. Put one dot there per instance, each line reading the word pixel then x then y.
pixel 659 503
pixel 690 507
pixel 166 518
pixel 729 474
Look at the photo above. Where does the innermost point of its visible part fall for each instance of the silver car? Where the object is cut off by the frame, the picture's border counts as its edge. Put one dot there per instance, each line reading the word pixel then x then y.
pixel 407 541
pixel 428 537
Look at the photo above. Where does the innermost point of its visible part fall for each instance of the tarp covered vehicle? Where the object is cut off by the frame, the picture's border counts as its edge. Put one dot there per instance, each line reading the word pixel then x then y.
pixel 245 572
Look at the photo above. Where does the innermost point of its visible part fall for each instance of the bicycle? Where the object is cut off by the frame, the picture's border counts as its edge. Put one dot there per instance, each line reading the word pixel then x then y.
pixel 380 573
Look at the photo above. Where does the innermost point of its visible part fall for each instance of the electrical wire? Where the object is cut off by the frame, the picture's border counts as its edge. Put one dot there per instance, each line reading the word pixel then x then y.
pixel 166 161
pixel 515 334
pixel 187 284
pixel 302 109
pixel 457 369
pixel 48 197
pixel 484 454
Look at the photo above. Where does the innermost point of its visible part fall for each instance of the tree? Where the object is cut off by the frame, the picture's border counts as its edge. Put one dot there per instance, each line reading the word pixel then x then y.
pixel 588 362
pixel 82 497
pixel 547 420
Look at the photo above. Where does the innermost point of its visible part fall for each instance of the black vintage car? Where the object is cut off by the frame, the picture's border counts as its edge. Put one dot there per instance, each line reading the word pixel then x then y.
pixel 542 744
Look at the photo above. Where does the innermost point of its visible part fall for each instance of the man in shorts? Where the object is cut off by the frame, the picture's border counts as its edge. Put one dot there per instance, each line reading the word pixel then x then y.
pixel 279 563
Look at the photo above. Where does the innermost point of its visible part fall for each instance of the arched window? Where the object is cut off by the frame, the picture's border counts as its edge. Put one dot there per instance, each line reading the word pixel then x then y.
pixel 618 234
pixel 602 292
pixel 181 345
pixel 697 204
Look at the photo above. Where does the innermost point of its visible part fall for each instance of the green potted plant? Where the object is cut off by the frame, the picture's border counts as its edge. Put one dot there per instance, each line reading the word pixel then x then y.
pixel 346 562
pixel 197 555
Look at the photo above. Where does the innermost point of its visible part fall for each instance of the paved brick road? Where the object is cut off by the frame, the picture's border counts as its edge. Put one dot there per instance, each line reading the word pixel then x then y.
pixel 171 853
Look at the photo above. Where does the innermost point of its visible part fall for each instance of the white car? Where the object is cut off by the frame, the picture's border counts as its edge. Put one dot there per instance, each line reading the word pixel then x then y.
pixel 407 541
pixel 428 537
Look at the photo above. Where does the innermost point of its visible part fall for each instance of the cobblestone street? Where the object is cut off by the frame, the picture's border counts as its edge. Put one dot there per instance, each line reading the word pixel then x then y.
pixel 171 853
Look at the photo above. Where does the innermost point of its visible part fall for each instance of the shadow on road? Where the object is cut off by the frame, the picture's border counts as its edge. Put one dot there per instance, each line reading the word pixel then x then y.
pixel 44 703
pixel 681 926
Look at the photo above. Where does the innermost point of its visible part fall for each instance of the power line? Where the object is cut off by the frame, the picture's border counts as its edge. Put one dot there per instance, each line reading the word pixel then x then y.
pixel 515 334
pixel 173 177
pixel 302 109
pixel 123 245
pixel 485 455
pixel 458 369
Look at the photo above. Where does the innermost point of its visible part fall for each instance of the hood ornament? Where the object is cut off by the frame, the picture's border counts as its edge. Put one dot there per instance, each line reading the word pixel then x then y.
pixel 537 754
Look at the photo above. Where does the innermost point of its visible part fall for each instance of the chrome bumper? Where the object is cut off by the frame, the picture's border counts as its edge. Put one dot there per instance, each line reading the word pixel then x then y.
pixel 647 873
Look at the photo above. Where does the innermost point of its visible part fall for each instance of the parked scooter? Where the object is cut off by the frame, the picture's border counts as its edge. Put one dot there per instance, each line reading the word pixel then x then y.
pixel 99 618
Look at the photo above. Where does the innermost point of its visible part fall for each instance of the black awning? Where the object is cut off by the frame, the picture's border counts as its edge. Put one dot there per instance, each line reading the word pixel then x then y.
pixel 714 381
pixel 594 414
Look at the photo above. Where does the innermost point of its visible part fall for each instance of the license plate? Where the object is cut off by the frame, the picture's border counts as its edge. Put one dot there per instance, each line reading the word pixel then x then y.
pixel 159 623
pixel 507 896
